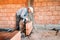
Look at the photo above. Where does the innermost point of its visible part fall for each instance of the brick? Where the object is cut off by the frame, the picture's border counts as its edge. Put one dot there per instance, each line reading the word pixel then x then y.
pixel 10 1
pixel 1 14
pixel 37 4
pixel 41 17
pixel 42 0
pixel 46 18
pixel 2 18
pixel 48 21
pixel 1 22
pixel 52 17
pixel 36 9
pixel 49 3
pixel 24 1
pixel 51 8
pixel 36 17
pixel 59 22
pixel 4 26
pixel 56 3
pixel 5 2
pixel 49 13
pixel 55 13
pixel 44 4
pixel 57 8
pixel 35 0
pixel 29 28
pixel 34 4
pixel 19 2
pixel 59 13
pixel 41 9
pixel 55 22
pixel 43 21
pixel 44 8
pixel 12 18
pixel 44 13
pixel 57 17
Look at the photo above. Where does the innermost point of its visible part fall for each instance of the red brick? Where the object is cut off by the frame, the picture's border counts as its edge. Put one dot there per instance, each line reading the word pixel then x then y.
pixel 59 22
pixel 57 8
pixel 41 17
pixel 24 1
pixel 34 4
pixel 35 0
pixel 55 13
pixel 59 13
pixel 42 0
pixel 49 3
pixel 4 18
pixel 4 26
pixel 57 17
pixel 56 3
pixel 37 4
pixel 43 22
pixel 49 13
pixel 55 22
pixel 47 18
pixel 52 18
pixel 44 4
pixel 1 14
pixel 36 17
pixel 10 1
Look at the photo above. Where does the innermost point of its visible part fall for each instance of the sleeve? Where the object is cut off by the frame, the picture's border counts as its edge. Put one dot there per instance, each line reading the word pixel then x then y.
pixel 19 12
pixel 23 13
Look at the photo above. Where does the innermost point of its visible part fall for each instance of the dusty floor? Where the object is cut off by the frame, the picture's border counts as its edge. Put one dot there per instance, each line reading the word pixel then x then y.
pixel 43 35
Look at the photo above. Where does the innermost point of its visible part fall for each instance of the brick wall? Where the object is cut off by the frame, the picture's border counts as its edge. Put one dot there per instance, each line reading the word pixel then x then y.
pixel 47 11
pixel 8 10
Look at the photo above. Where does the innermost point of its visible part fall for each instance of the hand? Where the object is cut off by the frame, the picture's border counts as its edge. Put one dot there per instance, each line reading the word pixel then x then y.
pixel 27 19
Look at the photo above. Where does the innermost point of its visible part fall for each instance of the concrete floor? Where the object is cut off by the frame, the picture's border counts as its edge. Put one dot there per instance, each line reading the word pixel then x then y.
pixel 42 35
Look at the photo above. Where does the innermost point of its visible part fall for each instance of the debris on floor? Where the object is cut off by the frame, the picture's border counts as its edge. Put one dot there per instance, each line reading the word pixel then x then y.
pixel 42 35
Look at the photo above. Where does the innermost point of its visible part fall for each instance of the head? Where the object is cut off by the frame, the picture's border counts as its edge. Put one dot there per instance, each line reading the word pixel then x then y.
pixel 30 10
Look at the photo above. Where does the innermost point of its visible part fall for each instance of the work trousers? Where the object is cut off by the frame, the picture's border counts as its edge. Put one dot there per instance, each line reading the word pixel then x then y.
pixel 18 19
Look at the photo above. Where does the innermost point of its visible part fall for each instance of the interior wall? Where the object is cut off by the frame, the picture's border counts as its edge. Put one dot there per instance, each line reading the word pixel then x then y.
pixel 46 14
pixel 47 11
pixel 8 9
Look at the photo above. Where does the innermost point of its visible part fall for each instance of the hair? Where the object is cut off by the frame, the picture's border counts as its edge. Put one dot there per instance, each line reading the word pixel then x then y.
pixel 31 9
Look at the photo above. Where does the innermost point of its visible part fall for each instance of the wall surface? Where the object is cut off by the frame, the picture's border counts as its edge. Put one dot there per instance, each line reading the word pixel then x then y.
pixel 47 11
pixel 47 14
pixel 8 9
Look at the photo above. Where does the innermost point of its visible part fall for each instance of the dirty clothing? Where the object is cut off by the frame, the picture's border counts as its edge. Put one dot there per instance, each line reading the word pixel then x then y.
pixel 21 15
pixel 30 16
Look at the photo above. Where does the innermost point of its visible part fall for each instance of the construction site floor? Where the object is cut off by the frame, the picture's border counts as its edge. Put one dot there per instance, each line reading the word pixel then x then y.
pixel 43 35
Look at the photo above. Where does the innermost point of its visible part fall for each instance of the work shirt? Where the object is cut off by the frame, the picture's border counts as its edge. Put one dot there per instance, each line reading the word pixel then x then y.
pixel 24 14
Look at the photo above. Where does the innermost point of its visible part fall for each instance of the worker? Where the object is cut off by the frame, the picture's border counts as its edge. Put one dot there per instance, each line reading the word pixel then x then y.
pixel 22 14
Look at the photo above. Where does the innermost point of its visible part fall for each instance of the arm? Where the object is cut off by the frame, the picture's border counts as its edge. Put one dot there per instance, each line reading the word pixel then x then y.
pixel 24 14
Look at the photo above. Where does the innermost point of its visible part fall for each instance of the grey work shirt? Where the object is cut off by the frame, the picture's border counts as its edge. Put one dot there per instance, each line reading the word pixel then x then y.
pixel 22 12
